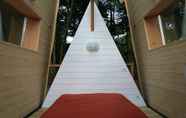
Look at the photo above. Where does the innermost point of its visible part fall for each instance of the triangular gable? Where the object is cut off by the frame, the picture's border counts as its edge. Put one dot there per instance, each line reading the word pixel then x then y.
pixel 93 64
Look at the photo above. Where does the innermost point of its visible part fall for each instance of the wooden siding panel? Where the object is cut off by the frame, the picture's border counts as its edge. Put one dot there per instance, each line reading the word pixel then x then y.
pixel 21 74
pixel 22 71
pixel 162 69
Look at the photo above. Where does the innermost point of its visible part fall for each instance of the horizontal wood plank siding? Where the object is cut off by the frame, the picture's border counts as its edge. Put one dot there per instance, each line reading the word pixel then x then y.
pixel 161 69
pixel 23 71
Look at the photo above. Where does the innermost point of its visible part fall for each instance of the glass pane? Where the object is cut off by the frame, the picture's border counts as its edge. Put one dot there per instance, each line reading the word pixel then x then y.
pixel 173 21
pixel 11 24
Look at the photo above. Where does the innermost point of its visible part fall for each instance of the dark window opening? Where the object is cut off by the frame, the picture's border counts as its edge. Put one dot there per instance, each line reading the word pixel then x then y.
pixel 168 26
pixel 173 21
pixel 11 24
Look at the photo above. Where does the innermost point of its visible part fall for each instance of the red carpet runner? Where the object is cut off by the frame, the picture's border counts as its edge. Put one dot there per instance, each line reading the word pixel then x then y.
pixel 93 106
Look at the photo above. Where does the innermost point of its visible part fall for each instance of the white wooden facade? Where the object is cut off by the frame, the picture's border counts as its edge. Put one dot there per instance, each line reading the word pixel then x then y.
pixel 103 71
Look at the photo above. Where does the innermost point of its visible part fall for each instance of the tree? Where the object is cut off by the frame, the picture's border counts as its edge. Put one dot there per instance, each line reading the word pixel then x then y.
pixel 70 14
pixel 115 16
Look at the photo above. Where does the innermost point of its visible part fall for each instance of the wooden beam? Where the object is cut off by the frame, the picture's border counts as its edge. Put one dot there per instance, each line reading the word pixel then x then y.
pixel 159 7
pixel 153 33
pixel 31 34
pixel 54 65
pixel 51 47
pixel 131 26
pixel 92 16
pixel 24 7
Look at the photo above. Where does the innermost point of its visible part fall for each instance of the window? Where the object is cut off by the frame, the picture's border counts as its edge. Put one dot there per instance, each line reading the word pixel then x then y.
pixel 19 25
pixel 167 26
pixel 12 24
pixel 173 21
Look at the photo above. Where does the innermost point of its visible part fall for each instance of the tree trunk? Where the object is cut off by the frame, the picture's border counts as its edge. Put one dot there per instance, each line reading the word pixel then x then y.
pixel 68 20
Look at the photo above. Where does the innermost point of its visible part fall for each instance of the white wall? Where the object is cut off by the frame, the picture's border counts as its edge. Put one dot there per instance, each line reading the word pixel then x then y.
pixel 93 72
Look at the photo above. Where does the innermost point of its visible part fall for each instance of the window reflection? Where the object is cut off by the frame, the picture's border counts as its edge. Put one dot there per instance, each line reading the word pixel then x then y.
pixel 173 21
pixel 11 24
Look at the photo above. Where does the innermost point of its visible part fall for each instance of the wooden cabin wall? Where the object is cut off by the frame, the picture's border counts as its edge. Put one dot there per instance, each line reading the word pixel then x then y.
pixel 23 71
pixel 162 69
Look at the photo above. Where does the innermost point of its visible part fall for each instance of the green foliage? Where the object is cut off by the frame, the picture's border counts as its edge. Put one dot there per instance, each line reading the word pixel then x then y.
pixel 115 16
pixel 70 14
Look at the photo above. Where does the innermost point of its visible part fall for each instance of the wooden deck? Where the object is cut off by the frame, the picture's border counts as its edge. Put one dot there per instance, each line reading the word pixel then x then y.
pixel 147 111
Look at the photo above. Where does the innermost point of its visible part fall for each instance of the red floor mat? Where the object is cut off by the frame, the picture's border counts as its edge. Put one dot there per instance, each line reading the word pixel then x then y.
pixel 93 106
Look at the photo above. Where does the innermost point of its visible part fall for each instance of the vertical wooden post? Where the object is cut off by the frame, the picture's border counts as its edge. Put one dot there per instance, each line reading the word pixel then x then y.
pixel 134 50
pixel 51 48
pixel 92 16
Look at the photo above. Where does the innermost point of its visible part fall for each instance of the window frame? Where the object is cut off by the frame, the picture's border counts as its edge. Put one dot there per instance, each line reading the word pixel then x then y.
pixel 161 30
pixel 153 33
pixel 30 34
pixel 154 13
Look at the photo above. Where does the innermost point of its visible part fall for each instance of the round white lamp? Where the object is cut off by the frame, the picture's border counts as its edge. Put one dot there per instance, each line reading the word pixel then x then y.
pixel 92 46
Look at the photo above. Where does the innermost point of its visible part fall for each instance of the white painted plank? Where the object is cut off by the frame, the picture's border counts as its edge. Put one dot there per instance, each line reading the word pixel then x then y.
pixel 99 72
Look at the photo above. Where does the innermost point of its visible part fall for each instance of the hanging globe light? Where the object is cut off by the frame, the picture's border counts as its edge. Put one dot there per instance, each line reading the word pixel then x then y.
pixel 92 46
